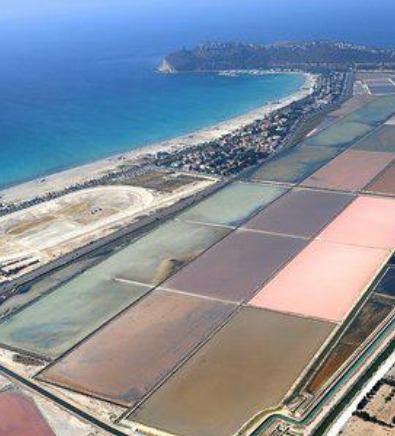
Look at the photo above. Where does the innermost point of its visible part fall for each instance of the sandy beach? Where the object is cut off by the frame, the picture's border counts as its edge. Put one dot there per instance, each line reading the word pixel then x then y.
pixel 94 170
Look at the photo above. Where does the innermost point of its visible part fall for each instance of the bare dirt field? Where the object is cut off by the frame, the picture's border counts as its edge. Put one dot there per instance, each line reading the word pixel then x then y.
pixel 58 221
pixel 358 427
pixel 48 230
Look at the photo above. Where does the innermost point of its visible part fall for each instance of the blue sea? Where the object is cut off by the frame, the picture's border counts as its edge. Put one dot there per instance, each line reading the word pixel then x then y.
pixel 96 108
pixel 78 80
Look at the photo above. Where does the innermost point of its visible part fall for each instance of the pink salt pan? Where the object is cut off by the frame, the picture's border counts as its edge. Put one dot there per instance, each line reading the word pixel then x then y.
pixel 368 221
pixel 324 281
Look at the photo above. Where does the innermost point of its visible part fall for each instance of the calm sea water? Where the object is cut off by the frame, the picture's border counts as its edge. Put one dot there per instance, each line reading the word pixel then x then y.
pixel 78 81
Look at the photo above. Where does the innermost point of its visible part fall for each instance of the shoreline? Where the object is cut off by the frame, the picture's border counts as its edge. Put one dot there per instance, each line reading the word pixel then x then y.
pixel 93 170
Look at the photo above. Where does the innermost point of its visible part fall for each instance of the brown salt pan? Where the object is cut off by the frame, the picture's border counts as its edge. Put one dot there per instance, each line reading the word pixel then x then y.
pixel 351 171
pixel 385 183
pixel 238 265
pixel 248 367
pixel 300 212
pixel 130 356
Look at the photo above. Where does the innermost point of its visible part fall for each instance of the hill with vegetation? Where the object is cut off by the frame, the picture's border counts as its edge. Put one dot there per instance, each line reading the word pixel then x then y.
pixel 317 55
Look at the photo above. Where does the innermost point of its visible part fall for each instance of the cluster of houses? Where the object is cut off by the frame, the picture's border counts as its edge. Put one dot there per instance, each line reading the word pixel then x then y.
pixel 252 144
pixel 228 155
